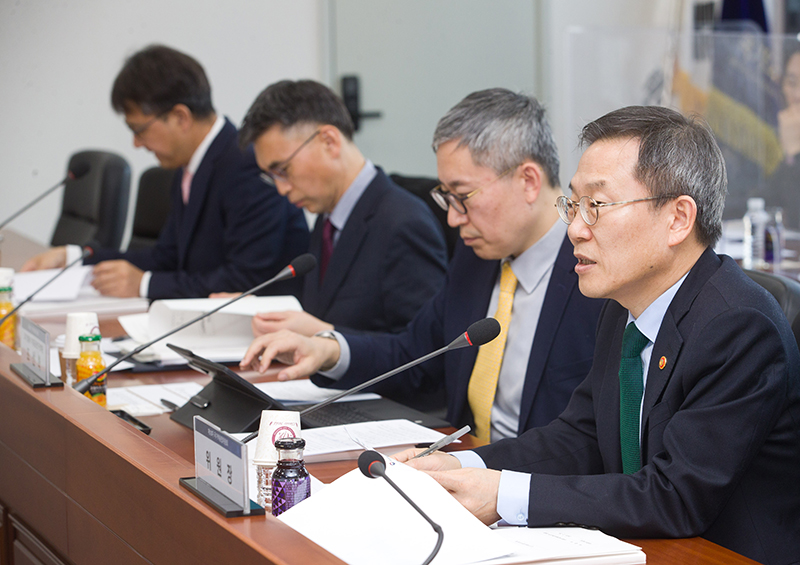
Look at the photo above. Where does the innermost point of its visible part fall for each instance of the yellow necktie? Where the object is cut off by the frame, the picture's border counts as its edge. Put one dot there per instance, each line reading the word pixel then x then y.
pixel 483 381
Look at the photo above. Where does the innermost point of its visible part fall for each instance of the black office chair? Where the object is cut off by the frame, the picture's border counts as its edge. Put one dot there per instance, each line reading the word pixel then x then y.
pixel 786 291
pixel 152 207
pixel 421 187
pixel 94 207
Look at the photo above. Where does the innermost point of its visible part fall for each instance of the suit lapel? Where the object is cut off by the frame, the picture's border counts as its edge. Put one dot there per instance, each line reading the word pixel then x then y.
pixel 200 186
pixel 352 237
pixel 561 284
pixel 669 341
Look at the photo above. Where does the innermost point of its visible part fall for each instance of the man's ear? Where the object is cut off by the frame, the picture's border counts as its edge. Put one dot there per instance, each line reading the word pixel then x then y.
pixel 682 218
pixel 531 174
pixel 183 115
pixel 332 140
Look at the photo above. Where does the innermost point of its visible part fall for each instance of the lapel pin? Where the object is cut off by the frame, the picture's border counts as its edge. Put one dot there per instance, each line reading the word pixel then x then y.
pixel 662 362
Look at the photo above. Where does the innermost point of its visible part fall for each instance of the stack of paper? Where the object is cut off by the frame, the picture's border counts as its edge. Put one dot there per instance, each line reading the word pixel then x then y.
pixel 390 531
pixel 222 337
pixel 145 400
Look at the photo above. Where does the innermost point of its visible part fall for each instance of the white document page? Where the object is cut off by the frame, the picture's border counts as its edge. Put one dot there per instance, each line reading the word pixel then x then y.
pixel 304 391
pixel 567 546
pixel 363 435
pixel 145 400
pixel 65 287
pixel 364 521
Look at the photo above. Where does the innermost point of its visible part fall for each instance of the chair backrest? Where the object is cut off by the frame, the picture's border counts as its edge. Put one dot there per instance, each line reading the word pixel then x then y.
pixel 95 207
pixel 786 291
pixel 421 187
pixel 152 207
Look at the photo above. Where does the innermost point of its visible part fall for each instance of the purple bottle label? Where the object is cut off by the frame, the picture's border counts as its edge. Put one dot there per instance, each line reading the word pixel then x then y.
pixel 287 493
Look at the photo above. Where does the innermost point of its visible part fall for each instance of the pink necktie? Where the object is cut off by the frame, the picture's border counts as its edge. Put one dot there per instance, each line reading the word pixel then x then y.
pixel 186 185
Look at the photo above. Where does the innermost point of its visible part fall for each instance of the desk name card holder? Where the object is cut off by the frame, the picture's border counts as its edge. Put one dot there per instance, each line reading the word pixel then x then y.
pixel 220 464
pixel 34 344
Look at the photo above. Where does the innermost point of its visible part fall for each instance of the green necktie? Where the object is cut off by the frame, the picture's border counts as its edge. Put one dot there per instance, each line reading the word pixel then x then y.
pixel 630 397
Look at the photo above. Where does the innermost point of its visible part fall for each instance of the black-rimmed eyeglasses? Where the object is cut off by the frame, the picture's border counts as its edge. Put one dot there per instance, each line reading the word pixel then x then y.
pixel 446 198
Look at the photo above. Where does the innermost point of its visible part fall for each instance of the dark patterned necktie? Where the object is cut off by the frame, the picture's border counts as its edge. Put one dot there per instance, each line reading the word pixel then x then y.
pixel 630 397
pixel 327 247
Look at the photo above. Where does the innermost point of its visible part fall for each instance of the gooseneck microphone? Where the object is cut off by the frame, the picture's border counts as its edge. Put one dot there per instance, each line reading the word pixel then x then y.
pixel 372 465
pixel 297 268
pixel 87 252
pixel 78 170
pixel 480 332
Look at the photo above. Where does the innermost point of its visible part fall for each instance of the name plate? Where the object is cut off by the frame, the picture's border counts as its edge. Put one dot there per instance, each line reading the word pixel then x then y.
pixel 34 344
pixel 220 461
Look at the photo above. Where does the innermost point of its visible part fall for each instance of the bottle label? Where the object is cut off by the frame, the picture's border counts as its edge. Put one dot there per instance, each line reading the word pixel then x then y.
pixel 288 492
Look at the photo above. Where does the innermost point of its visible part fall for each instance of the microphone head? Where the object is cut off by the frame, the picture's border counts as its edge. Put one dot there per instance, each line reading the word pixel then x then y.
pixel 79 170
pixel 303 264
pixel 371 464
pixel 483 331
pixel 89 248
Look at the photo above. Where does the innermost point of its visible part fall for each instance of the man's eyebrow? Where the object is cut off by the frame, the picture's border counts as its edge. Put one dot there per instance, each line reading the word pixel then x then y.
pixel 592 184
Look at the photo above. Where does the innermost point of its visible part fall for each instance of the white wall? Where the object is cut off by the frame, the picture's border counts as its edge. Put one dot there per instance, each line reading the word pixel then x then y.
pixel 58 59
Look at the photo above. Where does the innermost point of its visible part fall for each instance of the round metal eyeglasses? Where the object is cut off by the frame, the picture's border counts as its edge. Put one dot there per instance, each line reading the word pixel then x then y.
pixel 590 208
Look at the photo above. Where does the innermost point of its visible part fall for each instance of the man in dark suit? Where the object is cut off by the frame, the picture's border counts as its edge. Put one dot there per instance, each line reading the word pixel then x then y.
pixel 499 170
pixel 689 421
pixel 227 230
pixel 380 251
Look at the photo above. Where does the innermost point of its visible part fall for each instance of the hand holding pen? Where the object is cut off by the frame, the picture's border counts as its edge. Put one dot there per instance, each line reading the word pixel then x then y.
pixel 445 441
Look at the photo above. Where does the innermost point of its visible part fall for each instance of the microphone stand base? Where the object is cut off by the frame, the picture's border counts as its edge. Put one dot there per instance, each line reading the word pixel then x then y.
pixel 33 378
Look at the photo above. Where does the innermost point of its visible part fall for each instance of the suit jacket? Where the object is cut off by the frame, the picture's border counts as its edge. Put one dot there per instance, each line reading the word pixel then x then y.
pixel 560 357
pixel 389 259
pixel 720 427
pixel 235 231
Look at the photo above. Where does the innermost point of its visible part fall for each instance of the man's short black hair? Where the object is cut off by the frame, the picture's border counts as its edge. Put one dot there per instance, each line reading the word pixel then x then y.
pixel 290 103
pixel 159 77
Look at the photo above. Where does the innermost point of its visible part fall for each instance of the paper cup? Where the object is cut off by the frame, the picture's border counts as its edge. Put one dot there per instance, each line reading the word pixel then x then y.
pixel 78 324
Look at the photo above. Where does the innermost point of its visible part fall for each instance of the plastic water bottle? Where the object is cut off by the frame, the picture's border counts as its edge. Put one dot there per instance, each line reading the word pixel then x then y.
pixel 755 226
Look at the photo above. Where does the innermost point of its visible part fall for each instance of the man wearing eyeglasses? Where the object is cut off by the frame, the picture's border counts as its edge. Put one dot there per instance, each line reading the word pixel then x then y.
pixel 226 231
pixel 498 165
pixel 380 251
pixel 689 421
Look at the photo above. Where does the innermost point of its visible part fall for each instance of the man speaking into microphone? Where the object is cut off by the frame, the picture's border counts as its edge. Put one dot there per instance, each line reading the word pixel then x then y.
pixel 227 230
pixel 498 165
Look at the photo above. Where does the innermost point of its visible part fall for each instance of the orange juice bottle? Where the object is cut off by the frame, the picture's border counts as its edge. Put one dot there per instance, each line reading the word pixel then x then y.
pixel 89 363
pixel 8 333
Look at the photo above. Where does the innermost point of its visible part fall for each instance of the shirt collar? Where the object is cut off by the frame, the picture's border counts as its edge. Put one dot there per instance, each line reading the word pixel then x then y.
pixel 649 322
pixel 536 261
pixel 351 196
pixel 200 152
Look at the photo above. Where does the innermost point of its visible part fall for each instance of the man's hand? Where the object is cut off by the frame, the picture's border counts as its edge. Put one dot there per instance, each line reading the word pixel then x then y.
pixel 55 258
pixel 475 489
pixel 117 278
pixel 298 322
pixel 304 355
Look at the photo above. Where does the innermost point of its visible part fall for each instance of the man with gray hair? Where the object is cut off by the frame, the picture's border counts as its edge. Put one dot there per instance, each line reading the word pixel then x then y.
pixel 498 165
pixel 688 423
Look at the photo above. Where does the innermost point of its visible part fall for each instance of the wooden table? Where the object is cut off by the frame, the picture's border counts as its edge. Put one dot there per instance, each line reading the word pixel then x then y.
pixel 89 488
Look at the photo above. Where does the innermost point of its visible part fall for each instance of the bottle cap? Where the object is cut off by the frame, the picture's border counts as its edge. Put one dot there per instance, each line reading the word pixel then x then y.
pixel 6 277
pixel 92 337
pixel 290 443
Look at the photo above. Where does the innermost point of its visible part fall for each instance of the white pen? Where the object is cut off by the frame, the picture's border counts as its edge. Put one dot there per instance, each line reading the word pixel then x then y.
pixel 445 441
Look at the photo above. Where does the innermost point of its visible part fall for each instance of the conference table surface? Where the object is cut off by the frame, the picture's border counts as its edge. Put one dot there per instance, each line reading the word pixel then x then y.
pixel 95 488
